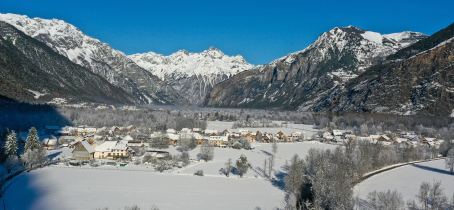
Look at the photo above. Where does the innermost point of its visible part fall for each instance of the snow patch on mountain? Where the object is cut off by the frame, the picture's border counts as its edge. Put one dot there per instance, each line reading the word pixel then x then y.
pixel 192 74
pixel 373 36
pixel 99 57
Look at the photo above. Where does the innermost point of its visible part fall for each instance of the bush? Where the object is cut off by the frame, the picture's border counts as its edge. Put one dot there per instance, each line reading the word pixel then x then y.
pixel 199 173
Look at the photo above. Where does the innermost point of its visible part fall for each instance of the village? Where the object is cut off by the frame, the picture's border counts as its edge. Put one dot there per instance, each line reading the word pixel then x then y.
pixel 129 143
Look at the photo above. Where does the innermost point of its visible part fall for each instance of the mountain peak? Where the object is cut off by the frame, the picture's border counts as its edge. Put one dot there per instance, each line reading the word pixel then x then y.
pixel 213 49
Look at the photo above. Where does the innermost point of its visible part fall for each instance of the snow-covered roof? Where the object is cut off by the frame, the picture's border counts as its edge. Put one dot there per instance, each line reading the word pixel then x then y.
pixel 400 140
pixel 87 146
pixel 430 139
pixel 106 146
pixel 120 147
pixel 128 137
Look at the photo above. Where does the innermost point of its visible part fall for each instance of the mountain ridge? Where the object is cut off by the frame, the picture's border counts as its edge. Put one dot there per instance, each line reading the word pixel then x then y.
pixel 98 57
pixel 192 74
pixel 335 57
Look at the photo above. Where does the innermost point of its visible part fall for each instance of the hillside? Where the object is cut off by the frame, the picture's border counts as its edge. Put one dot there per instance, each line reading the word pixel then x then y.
pixel 28 65
pixel 98 57
pixel 300 78
pixel 422 85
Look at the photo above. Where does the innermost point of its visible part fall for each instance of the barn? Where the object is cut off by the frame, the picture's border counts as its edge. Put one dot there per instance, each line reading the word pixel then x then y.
pixel 84 151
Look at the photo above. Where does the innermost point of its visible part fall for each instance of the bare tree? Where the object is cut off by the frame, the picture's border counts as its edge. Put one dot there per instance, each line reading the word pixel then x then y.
pixel 449 161
pixel 386 200
pixel 270 165
pixel 207 151
pixel 185 158
pixel 264 168
pixel 243 165
pixel 228 167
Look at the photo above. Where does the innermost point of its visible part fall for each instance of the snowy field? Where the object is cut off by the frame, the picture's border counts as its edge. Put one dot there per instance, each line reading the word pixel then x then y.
pixel 407 180
pixel 60 187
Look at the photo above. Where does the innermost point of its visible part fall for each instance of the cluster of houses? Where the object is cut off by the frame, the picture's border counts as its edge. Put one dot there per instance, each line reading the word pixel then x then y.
pixel 222 138
pixel 119 142
pixel 403 138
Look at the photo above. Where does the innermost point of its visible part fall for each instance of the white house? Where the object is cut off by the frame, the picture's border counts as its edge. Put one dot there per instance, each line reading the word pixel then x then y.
pixel 104 150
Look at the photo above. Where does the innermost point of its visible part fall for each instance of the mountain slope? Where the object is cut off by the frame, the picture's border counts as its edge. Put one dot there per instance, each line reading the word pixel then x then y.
pixel 300 78
pixel 422 84
pixel 192 75
pixel 27 64
pixel 98 57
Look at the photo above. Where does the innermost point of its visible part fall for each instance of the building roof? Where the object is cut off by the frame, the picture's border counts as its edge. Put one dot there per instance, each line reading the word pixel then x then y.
pixel 106 146
pixel 120 147
pixel 128 137
pixel 88 147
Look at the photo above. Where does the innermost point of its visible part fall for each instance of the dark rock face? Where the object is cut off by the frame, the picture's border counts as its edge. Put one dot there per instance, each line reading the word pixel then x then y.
pixel 422 85
pixel 98 57
pixel 27 64
pixel 300 79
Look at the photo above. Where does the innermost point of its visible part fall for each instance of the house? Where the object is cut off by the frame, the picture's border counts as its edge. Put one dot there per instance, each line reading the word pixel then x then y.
pixel 217 140
pixel 426 140
pixel 400 140
pixel 120 151
pixel 197 130
pixel 337 133
pixel 84 130
pixel 83 151
pixel 296 134
pixel 211 132
pixel 105 150
pixel 170 130
pixel 50 143
pixel 328 138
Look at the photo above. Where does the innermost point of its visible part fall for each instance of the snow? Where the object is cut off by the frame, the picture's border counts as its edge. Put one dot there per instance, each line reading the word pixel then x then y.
pixel 59 187
pixel 407 180
pixel 37 94
pixel 64 188
pixel 373 36
pixel 185 64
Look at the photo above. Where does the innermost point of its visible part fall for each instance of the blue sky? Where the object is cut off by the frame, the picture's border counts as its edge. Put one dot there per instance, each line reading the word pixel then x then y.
pixel 260 31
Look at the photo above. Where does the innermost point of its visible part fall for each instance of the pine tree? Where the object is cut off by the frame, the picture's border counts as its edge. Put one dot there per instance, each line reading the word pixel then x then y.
pixel 11 144
pixel 32 140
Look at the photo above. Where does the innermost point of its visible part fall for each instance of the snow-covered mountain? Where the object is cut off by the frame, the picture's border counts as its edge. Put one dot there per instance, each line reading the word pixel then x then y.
pixel 192 74
pixel 300 78
pixel 98 57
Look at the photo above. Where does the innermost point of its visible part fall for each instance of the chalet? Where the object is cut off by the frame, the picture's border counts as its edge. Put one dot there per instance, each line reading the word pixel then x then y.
pixel 296 134
pixel 266 139
pixel 83 151
pixel 50 143
pixel 384 138
pixel 197 130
